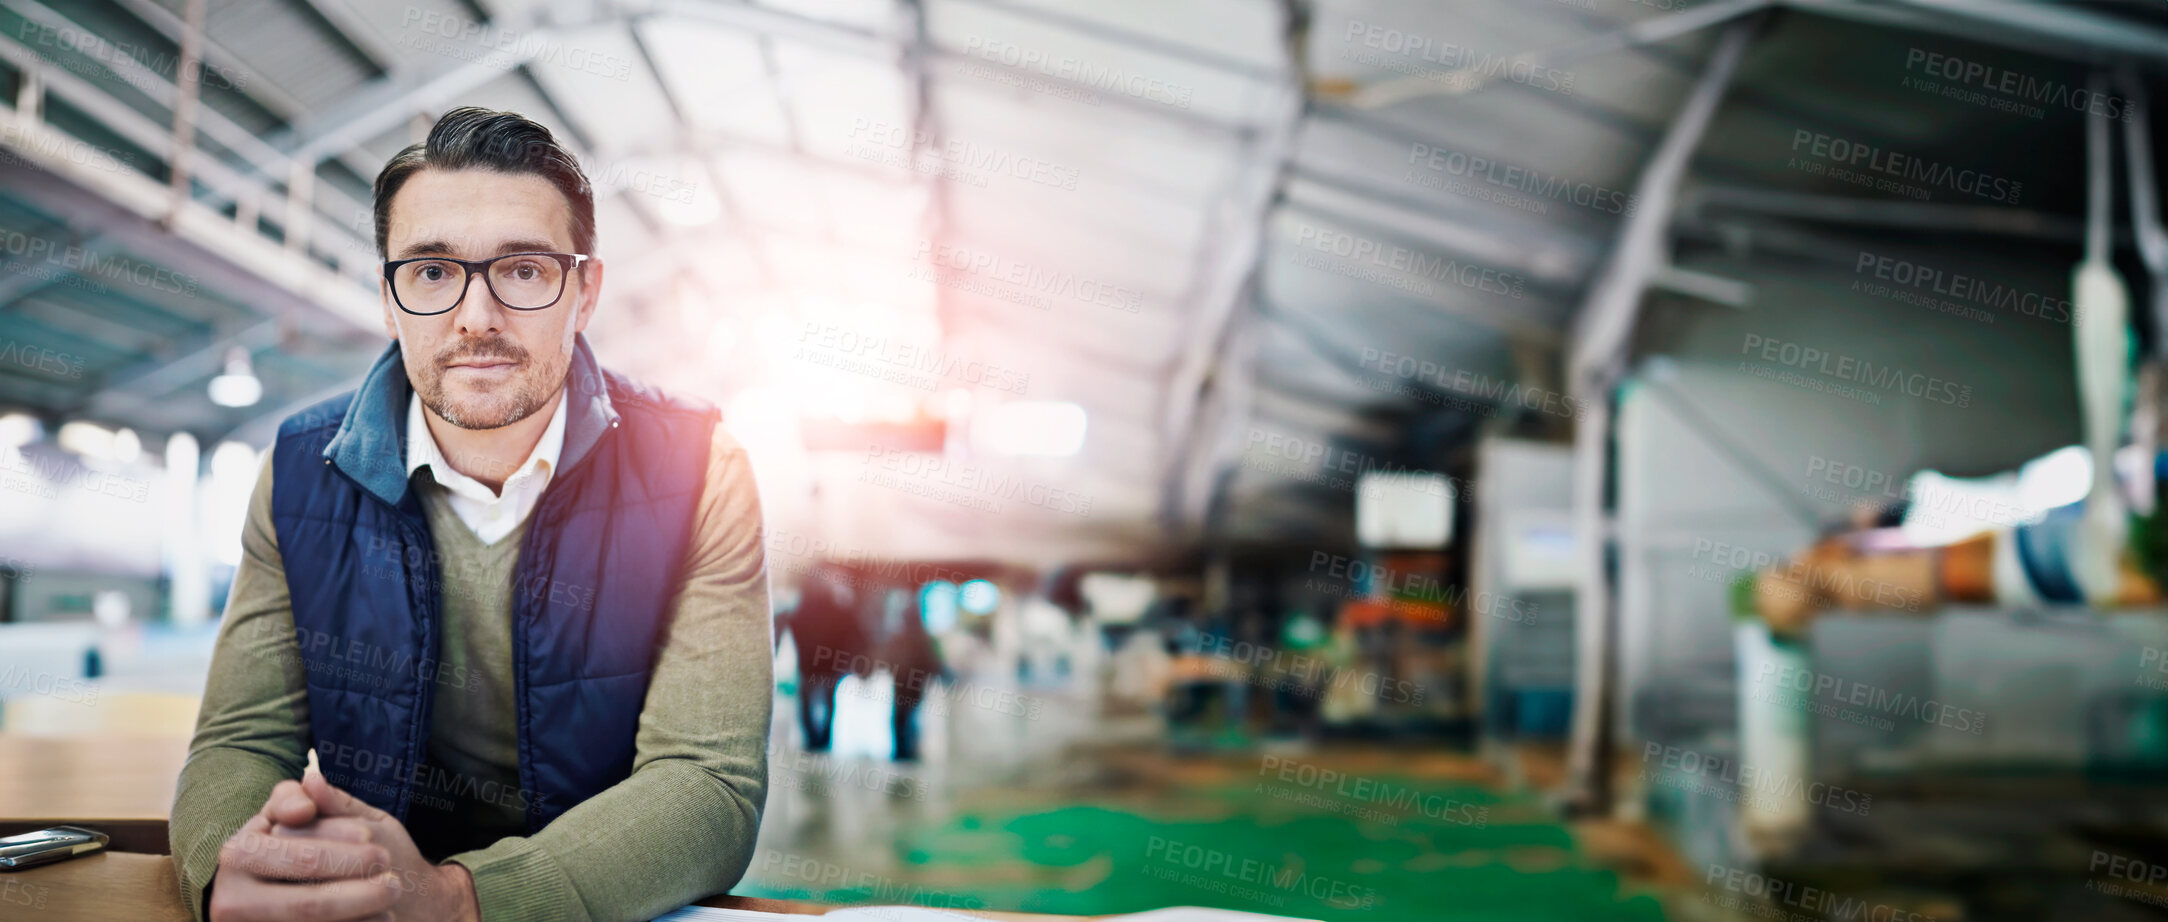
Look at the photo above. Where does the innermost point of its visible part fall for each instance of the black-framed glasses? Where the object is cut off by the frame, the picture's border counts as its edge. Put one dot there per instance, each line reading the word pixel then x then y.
pixel 430 285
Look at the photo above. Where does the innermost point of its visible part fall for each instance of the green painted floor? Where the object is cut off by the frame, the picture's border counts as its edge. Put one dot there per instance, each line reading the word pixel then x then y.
pixel 1398 848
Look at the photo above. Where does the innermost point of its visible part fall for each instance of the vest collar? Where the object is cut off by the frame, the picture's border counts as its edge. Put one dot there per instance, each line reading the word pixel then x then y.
pixel 370 445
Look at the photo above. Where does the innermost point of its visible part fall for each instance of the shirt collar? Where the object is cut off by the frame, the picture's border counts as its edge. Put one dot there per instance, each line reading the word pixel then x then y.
pixel 422 450
pixel 370 448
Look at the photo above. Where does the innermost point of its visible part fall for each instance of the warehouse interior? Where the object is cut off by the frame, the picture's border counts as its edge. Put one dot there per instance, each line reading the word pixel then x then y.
pixel 1376 483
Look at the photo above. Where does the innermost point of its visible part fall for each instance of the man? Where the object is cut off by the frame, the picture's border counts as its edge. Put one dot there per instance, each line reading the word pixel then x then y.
pixel 830 642
pixel 513 604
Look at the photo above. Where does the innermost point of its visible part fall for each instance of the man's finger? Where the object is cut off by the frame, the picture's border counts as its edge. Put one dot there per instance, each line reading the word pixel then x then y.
pixel 289 804
pixel 275 858
pixel 335 901
pixel 335 828
pixel 330 801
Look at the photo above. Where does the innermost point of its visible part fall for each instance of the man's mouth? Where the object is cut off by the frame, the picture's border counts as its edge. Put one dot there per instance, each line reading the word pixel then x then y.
pixel 482 363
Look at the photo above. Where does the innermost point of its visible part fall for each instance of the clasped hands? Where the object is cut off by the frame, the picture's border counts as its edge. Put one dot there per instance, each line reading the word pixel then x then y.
pixel 315 853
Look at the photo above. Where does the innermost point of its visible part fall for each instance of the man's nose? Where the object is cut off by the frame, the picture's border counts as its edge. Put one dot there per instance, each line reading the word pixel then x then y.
pixel 479 312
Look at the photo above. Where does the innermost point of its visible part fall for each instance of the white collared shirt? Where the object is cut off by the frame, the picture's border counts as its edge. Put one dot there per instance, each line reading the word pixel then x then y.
pixel 491 515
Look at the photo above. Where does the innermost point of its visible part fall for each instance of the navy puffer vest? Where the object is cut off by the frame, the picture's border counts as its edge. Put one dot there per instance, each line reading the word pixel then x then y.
pixel 598 569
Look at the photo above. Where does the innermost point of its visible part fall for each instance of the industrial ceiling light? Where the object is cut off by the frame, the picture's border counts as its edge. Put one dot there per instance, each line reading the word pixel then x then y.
pixel 238 387
pixel 1032 427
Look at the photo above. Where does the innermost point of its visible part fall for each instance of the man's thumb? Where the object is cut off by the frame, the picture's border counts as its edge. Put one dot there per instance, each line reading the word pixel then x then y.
pixel 330 801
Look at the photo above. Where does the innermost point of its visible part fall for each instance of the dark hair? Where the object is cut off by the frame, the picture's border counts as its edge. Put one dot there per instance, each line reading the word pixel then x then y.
pixel 471 137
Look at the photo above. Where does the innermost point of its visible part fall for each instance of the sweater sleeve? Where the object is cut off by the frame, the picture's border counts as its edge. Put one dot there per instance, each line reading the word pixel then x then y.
pixel 682 825
pixel 253 728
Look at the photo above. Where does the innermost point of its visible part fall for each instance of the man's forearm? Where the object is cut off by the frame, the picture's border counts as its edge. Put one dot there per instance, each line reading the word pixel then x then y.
pixel 670 834
pixel 253 729
pixel 219 790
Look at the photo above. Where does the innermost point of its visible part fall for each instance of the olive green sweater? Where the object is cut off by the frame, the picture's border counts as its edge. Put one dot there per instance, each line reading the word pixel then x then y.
pixel 679 828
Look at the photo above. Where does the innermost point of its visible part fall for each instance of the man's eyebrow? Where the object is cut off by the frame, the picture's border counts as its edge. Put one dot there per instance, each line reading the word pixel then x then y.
pixel 429 247
pixel 536 245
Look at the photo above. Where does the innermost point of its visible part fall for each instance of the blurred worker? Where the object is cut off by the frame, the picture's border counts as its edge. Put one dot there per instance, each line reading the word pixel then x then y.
pixel 515 603
pixel 914 660
pixel 831 642
pixel 2049 559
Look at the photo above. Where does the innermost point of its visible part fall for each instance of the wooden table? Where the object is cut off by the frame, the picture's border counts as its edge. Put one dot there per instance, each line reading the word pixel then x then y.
pixel 112 886
pixel 124 787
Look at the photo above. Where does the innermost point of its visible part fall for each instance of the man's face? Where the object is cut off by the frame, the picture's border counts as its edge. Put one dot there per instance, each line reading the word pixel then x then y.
pixel 482 365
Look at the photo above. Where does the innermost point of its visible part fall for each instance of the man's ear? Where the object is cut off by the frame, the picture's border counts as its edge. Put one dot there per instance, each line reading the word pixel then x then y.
pixel 391 317
pixel 590 293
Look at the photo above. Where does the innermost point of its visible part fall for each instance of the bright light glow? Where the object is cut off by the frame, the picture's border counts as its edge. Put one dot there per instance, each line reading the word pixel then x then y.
pixel 238 387
pixel 1948 509
pixel 2058 478
pixel 225 502
pixel 765 421
pixel 1403 509
pixel 236 390
pixel 979 597
pixel 126 446
pixel 1116 598
pixel 938 603
pixel 1032 427
pixel 110 607
pixel 18 430
pixel 88 440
